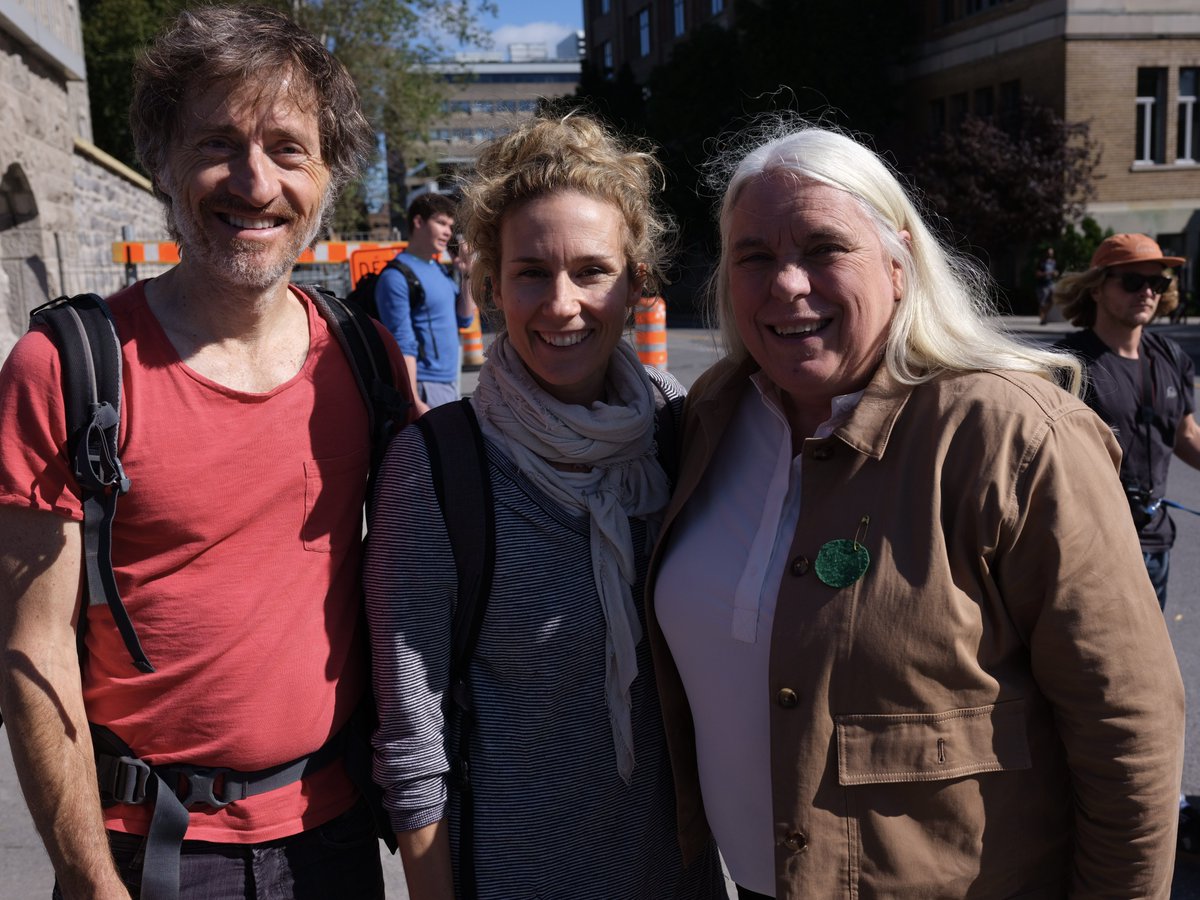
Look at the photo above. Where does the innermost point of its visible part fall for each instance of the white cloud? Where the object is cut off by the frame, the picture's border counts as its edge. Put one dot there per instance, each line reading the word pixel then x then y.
pixel 549 33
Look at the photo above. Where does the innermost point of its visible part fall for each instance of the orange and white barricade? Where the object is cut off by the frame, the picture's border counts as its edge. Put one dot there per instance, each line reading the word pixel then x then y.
pixel 471 339
pixel 650 325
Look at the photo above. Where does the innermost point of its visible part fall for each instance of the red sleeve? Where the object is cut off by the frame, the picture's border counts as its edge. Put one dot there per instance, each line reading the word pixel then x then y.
pixel 34 473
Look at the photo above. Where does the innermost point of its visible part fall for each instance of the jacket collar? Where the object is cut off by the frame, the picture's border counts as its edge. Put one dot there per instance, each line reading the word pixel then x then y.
pixel 867 430
pixel 870 425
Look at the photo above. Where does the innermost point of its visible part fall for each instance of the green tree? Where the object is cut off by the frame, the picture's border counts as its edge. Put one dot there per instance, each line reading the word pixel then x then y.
pixel 388 47
pixel 1075 248
pixel 1005 191
pixel 827 60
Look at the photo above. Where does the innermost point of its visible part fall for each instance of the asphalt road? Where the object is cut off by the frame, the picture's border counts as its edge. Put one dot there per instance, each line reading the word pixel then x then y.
pixel 25 871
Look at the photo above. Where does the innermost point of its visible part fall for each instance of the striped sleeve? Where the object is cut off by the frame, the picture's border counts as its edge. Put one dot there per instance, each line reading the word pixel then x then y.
pixel 410 583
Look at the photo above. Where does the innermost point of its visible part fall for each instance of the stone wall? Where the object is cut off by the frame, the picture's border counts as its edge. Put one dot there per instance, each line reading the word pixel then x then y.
pixel 37 130
pixel 62 201
pixel 108 198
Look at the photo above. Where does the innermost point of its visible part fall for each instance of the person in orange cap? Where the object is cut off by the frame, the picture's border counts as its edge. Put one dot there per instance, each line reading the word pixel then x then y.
pixel 1140 383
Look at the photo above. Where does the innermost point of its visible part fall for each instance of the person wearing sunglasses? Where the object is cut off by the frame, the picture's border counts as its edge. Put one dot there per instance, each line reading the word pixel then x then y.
pixel 1140 383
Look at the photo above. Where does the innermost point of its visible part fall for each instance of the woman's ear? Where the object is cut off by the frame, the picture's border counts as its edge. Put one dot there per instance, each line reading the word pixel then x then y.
pixel 898 270
pixel 637 284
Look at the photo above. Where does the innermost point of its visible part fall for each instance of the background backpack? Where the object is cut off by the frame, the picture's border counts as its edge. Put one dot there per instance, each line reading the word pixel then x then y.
pixel 363 295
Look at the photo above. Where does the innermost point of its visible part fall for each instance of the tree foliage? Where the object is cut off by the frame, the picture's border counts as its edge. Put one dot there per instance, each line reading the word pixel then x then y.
pixel 1005 190
pixel 387 46
pixel 779 55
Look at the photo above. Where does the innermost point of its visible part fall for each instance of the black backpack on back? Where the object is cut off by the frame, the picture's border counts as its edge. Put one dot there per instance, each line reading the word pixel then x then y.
pixel 363 295
pixel 84 331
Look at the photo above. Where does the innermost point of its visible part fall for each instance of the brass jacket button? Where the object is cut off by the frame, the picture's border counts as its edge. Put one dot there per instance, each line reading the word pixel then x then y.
pixel 800 566
pixel 796 841
pixel 787 698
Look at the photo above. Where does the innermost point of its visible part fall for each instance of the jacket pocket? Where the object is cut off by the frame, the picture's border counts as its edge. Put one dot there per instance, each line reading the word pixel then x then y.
pixel 883 749
pixel 334 490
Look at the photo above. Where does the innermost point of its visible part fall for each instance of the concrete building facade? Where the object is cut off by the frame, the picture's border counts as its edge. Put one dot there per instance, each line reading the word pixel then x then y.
pixel 486 97
pixel 62 200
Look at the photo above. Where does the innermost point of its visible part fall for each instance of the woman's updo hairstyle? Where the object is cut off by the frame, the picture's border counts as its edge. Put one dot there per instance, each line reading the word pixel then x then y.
pixel 571 152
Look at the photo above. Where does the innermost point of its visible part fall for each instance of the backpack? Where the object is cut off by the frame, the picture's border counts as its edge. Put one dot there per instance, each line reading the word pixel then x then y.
pixel 363 295
pixel 84 331
pixel 461 481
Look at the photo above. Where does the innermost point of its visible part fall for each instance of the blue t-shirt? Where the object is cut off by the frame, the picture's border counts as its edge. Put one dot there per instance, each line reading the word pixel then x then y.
pixel 430 332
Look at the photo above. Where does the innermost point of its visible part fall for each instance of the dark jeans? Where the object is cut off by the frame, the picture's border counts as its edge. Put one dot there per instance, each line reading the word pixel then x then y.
pixel 1158 565
pixel 337 859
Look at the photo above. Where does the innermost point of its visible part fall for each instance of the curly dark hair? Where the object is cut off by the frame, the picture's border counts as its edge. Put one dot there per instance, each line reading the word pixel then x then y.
pixel 245 45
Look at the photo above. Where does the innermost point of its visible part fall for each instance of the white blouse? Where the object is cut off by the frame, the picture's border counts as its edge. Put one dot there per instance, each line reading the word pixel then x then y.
pixel 715 601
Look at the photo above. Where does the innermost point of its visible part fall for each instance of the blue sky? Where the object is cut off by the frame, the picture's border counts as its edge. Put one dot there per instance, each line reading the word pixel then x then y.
pixel 534 21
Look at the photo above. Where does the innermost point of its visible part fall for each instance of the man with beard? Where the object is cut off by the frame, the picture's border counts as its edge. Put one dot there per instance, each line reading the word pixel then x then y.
pixel 237 550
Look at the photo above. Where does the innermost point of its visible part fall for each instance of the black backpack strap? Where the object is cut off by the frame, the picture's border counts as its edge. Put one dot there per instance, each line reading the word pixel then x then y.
pixel 175 788
pixel 416 290
pixel 86 336
pixel 458 461
pixel 666 430
pixel 387 406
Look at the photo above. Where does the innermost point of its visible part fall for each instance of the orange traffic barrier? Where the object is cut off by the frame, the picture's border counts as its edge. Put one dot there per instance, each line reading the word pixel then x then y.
pixel 472 345
pixel 650 325
pixel 167 252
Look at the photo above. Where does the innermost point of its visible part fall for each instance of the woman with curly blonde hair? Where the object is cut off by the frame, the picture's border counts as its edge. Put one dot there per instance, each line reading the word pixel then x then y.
pixel 571 792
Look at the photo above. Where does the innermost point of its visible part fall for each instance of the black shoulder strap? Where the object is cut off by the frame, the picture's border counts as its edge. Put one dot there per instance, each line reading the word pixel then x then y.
pixel 464 490
pixel 458 462
pixel 666 431
pixel 416 290
pixel 86 336
pixel 387 406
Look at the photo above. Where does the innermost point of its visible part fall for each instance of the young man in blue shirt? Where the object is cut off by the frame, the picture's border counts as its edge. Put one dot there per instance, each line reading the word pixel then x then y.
pixel 427 331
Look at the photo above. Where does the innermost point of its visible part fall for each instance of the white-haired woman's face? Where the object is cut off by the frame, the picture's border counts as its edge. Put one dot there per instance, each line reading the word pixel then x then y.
pixel 812 288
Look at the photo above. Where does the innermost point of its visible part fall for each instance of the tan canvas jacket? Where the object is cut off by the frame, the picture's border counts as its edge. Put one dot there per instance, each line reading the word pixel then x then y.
pixel 994 709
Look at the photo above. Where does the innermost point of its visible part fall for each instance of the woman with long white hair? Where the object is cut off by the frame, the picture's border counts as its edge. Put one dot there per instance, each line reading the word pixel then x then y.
pixel 904 637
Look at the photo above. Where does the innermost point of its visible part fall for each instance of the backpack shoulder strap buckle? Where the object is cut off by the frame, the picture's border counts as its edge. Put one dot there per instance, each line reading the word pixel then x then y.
pixel 122 779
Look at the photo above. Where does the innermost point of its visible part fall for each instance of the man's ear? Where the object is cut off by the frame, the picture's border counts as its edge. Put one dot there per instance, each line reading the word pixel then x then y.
pixel 418 223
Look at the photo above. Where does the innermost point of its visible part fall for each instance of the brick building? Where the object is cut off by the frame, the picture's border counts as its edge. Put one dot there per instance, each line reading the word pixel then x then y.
pixel 643 33
pixel 1128 68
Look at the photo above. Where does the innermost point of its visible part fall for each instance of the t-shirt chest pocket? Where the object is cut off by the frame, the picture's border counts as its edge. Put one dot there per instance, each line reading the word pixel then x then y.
pixel 334 491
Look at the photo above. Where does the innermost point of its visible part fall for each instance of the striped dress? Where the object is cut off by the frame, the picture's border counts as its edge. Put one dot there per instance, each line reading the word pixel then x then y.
pixel 553 819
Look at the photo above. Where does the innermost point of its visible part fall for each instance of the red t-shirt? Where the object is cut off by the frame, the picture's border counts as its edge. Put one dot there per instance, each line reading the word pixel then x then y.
pixel 237 555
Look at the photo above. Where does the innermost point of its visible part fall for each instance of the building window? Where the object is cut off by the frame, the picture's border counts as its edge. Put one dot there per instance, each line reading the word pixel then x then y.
pixel 606 54
pixel 605 6
pixel 1010 105
pixel 643 21
pixel 1189 116
pixel 937 116
pixel 1151 120
pixel 679 22
pixel 985 103
pixel 718 6
pixel 958 109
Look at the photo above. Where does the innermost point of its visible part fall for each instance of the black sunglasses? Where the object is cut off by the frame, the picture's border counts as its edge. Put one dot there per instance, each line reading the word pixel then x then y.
pixel 1133 282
